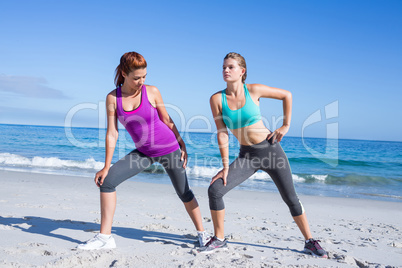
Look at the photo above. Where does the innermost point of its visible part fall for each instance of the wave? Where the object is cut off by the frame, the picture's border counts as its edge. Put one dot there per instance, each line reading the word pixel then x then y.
pixel 194 172
pixel 209 172
pixel 342 162
pixel 13 160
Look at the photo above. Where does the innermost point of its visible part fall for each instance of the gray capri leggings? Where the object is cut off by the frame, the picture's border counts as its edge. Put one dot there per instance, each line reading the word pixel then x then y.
pixel 262 156
pixel 135 162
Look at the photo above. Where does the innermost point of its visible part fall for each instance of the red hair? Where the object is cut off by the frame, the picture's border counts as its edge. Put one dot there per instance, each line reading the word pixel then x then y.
pixel 128 62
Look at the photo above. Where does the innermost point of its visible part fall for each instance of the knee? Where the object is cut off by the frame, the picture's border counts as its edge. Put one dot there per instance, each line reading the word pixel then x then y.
pixel 216 196
pixel 186 196
pixel 214 190
pixel 107 186
pixel 295 207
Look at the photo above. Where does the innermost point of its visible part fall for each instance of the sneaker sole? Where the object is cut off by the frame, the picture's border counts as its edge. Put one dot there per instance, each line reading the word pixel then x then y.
pixel 307 251
pixel 105 247
pixel 96 248
pixel 214 250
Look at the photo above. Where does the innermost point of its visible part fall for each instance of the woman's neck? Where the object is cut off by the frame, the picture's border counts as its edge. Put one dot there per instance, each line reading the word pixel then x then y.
pixel 130 91
pixel 234 88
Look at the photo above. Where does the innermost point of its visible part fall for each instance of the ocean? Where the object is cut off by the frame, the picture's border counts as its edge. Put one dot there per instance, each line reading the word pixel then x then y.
pixel 336 168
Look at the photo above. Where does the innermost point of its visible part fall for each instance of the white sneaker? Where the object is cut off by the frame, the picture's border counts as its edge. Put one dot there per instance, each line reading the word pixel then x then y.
pixel 203 238
pixel 98 243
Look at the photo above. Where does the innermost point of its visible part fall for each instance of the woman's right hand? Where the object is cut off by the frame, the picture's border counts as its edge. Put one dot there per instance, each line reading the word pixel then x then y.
pixel 100 176
pixel 223 174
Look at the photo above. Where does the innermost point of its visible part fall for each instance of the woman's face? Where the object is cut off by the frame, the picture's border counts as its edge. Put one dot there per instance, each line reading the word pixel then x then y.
pixel 135 79
pixel 231 70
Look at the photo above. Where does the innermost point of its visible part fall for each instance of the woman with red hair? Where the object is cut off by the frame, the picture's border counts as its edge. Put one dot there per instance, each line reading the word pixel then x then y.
pixel 141 111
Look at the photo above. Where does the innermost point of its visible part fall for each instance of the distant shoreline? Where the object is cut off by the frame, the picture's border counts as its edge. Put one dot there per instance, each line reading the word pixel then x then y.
pixel 104 129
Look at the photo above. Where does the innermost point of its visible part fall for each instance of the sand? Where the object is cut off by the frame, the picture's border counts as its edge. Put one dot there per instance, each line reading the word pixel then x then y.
pixel 43 217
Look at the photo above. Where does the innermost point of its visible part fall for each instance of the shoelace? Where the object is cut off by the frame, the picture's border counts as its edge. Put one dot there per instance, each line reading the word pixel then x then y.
pixel 210 241
pixel 96 237
pixel 315 243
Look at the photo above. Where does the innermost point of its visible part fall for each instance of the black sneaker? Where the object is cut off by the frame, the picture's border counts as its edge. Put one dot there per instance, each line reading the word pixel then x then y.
pixel 312 247
pixel 214 244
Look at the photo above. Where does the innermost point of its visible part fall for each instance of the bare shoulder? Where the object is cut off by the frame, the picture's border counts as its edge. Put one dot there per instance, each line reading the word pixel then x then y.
pixel 153 92
pixel 152 89
pixel 259 90
pixel 154 95
pixel 111 101
pixel 264 91
pixel 254 88
pixel 216 97
pixel 111 96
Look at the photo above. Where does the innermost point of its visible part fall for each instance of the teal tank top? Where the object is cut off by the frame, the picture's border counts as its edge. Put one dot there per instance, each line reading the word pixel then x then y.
pixel 245 116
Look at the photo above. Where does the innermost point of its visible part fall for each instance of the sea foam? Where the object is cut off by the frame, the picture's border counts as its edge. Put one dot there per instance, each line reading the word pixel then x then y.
pixel 48 162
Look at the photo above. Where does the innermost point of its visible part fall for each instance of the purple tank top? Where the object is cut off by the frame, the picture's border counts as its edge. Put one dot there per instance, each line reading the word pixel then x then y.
pixel 151 136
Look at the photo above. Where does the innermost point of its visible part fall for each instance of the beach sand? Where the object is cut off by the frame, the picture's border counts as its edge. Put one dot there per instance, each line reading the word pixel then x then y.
pixel 43 217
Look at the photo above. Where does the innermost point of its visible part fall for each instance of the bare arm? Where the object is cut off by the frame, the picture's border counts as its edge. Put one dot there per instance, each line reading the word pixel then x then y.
pixel 263 91
pixel 223 137
pixel 112 134
pixel 165 117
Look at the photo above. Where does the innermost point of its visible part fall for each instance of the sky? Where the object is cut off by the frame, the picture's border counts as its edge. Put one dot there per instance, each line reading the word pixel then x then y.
pixel 342 60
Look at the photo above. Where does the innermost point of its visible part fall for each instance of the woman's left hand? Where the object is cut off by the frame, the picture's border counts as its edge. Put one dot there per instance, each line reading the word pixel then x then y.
pixel 184 156
pixel 278 134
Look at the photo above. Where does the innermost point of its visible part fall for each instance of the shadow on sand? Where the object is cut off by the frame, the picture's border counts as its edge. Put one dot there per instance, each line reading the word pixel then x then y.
pixel 45 226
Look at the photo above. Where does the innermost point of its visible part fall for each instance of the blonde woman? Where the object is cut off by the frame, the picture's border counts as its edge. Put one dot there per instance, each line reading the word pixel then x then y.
pixel 237 108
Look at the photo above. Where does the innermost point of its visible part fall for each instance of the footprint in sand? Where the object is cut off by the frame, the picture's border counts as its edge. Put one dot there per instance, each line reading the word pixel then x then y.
pixel 395 244
pixel 31 244
pixel 235 238
pixel 156 227
pixel 258 228
pixel 47 253
pixel 350 260
pixel 246 218
pixel 158 216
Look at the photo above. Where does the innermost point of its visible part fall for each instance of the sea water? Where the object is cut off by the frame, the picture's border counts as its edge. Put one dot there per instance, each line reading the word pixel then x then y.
pixel 338 168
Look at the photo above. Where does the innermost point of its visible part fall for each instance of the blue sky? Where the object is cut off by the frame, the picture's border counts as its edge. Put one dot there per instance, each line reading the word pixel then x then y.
pixel 57 59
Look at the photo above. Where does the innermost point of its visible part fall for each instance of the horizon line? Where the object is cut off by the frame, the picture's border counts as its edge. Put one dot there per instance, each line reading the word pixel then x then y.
pixel 204 132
